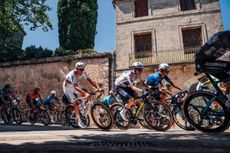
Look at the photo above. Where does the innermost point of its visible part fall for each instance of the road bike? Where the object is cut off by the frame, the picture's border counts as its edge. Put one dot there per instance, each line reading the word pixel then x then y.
pixel 94 107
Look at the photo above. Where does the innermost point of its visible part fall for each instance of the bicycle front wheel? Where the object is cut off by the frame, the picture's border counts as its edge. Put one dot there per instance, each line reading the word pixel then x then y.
pixel 101 116
pixel 206 112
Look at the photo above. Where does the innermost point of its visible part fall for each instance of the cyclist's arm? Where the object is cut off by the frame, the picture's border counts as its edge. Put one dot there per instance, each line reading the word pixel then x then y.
pixel 172 83
pixel 166 91
pixel 82 92
pixel 92 83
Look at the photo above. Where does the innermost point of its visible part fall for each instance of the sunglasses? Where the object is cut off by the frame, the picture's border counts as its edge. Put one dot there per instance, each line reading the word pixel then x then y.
pixel 81 69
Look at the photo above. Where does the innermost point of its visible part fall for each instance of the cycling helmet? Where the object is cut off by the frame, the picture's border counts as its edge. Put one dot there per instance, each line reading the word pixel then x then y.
pixel 7 86
pixel 164 67
pixel 112 92
pixel 80 65
pixel 53 93
pixel 137 65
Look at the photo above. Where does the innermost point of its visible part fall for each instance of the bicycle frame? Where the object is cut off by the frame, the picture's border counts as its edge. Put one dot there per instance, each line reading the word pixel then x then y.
pixel 218 94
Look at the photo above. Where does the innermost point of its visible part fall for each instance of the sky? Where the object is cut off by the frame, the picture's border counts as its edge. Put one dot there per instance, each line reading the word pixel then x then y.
pixel 105 37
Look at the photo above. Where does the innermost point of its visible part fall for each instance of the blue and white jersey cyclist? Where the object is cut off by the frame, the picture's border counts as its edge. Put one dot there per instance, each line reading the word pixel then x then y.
pixel 155 81
pixel 125 86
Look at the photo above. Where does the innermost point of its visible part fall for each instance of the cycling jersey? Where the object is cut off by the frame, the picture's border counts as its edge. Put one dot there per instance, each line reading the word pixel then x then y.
pixel 155 80
pixel 127 78
pixel 36 99
pixel 74 79
pixel 108 100
pixel 122 85
pixel 50 99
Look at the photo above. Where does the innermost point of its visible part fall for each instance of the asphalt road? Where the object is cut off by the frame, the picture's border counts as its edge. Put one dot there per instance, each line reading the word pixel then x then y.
pixel 55 139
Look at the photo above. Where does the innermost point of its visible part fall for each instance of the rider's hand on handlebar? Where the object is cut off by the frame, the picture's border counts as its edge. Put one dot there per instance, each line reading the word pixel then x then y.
pixel 86 96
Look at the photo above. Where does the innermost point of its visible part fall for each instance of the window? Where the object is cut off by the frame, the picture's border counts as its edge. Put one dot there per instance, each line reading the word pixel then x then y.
pixel 186 5
pixel 143 44
pixel 192 39
pixel 141 8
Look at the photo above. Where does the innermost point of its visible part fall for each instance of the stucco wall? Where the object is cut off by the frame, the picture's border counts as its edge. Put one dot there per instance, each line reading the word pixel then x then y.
pixel 48 74
pixel 165 21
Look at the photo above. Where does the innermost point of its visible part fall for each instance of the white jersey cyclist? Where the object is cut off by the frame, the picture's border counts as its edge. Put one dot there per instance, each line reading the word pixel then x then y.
pixel 127 78
pixel 71 80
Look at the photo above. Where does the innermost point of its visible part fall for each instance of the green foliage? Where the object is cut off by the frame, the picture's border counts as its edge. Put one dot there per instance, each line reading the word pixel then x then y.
pixel 32 52
pixel 10 53
pixel 63 52
pixel 15 14
pixel 77 24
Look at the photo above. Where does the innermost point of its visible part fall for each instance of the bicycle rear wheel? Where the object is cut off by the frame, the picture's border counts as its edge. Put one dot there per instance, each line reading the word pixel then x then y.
pixel 101 116
pixel 7 118
pixel 158 115
pixel 180 120
pixel 206 112
pixel 17 116
pixel 118 121
pixel 71 116
pixel 44 117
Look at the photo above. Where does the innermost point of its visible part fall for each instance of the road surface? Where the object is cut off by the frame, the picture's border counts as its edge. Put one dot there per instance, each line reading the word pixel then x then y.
pixel 55 139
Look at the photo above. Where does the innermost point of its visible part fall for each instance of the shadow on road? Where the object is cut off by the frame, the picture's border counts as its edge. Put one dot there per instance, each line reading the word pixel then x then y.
pixel 130 142
pixel 28 127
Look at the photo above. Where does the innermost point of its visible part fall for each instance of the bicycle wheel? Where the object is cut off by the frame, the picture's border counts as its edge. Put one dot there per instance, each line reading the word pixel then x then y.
pixel 101 116
pixel 71 116
pixel 61 117
pixel 206 112
pixel 31 117
pixel 17 116
pixel 180 120
pixel 118 121
pixel 44 117
pixel 158 115
pixel 5 117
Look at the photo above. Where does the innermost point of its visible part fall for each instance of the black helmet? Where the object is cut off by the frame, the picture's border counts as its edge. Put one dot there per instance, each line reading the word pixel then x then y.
pixel 7 86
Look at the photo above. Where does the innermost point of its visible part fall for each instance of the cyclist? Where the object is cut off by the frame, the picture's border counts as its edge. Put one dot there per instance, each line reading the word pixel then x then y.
pixel 110 99
pixel 6 94
pixel 126 89
pixel 34 98
pixel 155 81
pixel 207 59
pixel 51 101
pixel 73 90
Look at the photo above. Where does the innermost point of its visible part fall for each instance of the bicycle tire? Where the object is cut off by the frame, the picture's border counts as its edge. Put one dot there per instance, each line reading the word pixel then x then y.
pixel 118 121
pixel 69 109
pixel 209 129
pixel 178 123
pixel 162 120
pixel 100 121
pixel 17 115
pixel 44 115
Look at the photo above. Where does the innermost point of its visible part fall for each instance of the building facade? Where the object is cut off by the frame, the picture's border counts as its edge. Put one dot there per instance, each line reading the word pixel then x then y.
pixel 155 31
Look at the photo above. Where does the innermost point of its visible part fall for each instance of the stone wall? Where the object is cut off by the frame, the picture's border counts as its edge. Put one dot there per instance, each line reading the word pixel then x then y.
pixel 48 74
pixel 165 22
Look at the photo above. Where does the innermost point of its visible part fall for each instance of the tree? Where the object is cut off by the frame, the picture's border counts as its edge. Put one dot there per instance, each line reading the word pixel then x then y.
pixel 77 23
pixel 15 14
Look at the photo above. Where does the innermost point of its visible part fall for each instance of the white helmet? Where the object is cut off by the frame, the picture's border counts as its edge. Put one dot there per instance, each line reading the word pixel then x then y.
pixel 164 67
pixel 53 93
pixel 80 65
pixel 137 65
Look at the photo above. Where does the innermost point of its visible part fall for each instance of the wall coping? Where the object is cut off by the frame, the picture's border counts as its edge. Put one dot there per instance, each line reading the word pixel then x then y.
pixel 56 59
